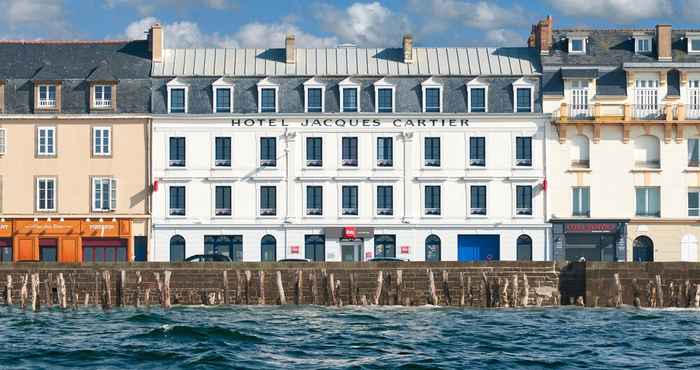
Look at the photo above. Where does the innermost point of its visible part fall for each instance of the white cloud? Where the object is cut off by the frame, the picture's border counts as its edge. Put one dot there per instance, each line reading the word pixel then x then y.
pixel 368 24
pixel 186 34
pixel 473 14
pixel 147 7
pixel 618 11
pixel 691 9
pixel 32 18
pixel 504 37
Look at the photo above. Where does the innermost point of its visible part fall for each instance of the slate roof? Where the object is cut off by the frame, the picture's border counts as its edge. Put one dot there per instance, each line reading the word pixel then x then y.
pixel 103 72
pixel 579 72
pixel 348 61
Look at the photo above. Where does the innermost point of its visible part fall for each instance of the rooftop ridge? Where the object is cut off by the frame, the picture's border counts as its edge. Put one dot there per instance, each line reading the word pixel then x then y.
pixel 574 29
pixel 64 42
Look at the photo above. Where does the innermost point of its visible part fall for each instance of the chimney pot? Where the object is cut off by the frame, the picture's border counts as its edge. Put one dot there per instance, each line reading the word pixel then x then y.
pixel 290 49
pixel 156 41
pixel 663 42
pixel 408 49
pixel 541 36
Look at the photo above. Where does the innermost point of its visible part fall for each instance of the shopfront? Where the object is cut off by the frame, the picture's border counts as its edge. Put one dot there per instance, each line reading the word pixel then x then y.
pixel 351 240
pixel 72 240
pixel 591 240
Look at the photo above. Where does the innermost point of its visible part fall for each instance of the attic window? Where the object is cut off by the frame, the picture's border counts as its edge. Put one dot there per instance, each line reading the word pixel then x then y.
pixel 642 44
pixel 694 44
pixel 577 45
pixel 47 96
pixel 103 97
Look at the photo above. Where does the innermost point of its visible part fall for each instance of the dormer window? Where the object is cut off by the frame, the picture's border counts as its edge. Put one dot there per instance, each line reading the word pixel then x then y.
pixel 477 96
pixel 222 92
pixel 267 96
pixel 314 92
pixel 384 98
pixel 693 42
pixel 177 96
pixel 349 96
pixel 432 96
pixel 642 44
pixel 577 45
pixel 47 96
pixel 523 96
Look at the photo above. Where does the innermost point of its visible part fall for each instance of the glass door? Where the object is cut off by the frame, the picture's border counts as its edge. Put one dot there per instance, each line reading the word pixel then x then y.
pixel 351 250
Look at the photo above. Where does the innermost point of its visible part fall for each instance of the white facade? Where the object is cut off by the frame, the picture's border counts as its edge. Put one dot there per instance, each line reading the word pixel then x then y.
pixel 409 175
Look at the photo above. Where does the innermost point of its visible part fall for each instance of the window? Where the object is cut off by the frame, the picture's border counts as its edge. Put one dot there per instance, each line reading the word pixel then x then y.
pixel 178 100
pixel 433 248
pixel 104 250
pixel 689 248
pixel 581 199
pixel 385 152
pixel 47 96
pixel 579 152
pixel 48 250
pixel 314 200
pixel 268 201
pixel 222 152
pixel 268 152
pixel 314 99
pixel 642 249
pixel 693 152
pixel 524 248
pixel 693 103
pixel 101 141
pixel 104 194
pixel 642 45
pixel 3 141
pixel 432 200
pixel 578 99
pixel 477 151
pixel 314 152
pixel 349 96
pixel 693 202
pixel 477 200
pixel 222 206
pixel 433 100
pixel 177 152
pixel 46 141
pixel 385 200
pixel 523 200
pixel 646 99
pixel 349 152
pixel 349 206
pixel 477 100
pixel 268 248
pixel 523 151
pixel 385 99
pixel 523 99
pixel 648 201
pixel 177 201
pixel 432 152
pixel 45 194
pixel 385 246
pixel 103 97
pixel 230 246
pixel 693 44
pixel 577 45
pixel 177 248
pixel 268 100
pixel 646 151
pixel 315 247
pixel 222 100
pixel 5 250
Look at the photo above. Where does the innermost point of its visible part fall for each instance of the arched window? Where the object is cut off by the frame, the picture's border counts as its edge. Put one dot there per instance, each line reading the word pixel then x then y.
pixel 524 248
pixel 268 248
pixel 433 248
pixel 177 248
pixel 689 248
pixel 647 151
pixel 580 152
pixel 643 249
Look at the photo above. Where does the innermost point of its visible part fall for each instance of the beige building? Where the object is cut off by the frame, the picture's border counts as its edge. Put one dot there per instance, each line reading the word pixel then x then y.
pixel 622 153
pixel 74 144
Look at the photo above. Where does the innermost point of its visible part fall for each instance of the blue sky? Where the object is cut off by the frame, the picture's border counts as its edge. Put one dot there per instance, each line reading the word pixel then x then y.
pixel 263 23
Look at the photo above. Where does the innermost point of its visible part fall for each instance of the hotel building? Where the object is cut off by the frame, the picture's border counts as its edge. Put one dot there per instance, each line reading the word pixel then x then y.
pixel 74 144
pixel 623 157
pixel 348 153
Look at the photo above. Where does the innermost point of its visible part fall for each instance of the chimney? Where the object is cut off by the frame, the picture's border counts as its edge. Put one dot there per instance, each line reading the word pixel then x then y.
pixel 155 42
pixel 663 42
pixel 290 49
pixel 408 49
pixel 541 37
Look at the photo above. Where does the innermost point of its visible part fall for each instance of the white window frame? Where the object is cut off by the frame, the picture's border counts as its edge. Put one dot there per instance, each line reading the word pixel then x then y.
pixel 341 165
pixel 3 141
pixel 103 129
pixel 375 151
pixel 167 152
pixel 44 103
pixel 167 200
pixel 258 200
pixel 349 84
pixel 583 40
pixel 174 85
pixel 213 199
pixel 469 149
pixel 636 206
pixel 383 84
pixel 222 83
pixel 102 103
pixel 637 39
pixel 477 84
pixel 258 150
pixel 38 195
pixel 112 194
pixel 314 84
pixel 469 198
pixel 523 84
pixel 46 129
pixel 213 151
pixel 696 191
pixel 375 198
pixel 305 197
pixel 580 200
pixel 533 195
pixel 267 84
pixel 690 38
pixel 341 185
pixel 430 84
pixel 441 140
pixel 424 210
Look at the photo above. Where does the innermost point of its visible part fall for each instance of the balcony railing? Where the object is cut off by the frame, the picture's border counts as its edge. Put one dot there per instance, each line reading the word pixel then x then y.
pixel 47 103
pixel 103 103
pixel 692 112
pixel 523 211
pixel 432 211
pixel 177 211
pixel 314 163
pixel 350 162
pixel 385 162
pixel 385 211
pixel 223 211
pixel 647 112
pixel 314 211
pixel 478 211
pixel 432 162
pixel 268 162
pixel 268 211
pixel 626 112
pixel 349 211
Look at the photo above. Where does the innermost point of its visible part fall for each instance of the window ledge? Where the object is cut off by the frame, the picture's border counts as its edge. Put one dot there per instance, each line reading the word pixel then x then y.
pixel 692 169
pixel 642 170
pixel 575 169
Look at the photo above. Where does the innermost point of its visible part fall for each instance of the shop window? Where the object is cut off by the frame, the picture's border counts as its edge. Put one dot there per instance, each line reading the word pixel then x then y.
pixel 524 248
pixel 315 247
pixel 268 249
pixel 385 245
pixel 689 248
pixel 48 250
pixel 177 248
pixel 104 250
pixel 433 248
pixel 6 250
pixel 647 151
pixel 643 249
pixel 230 246
pixel 580 152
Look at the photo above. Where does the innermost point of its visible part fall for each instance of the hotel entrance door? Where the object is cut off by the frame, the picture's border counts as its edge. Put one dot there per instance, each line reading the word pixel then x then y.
pixel 351 250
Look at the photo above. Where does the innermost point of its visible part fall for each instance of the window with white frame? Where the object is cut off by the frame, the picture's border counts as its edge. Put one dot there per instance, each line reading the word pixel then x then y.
pixel 647 151
pixel 3 141
pixel 103 97
pixel 314 152
pixel 646 99
pixel 47 96
pixel 268 152
pixel 431 200
pixel 648 201
pixel 45 194
pixel 222 200
pixel 477 99
pixel 578 98
pixel 385 152
pixel 177 200
pixel 477 151
pixel 693 110
pixel 432 96
pixel 349 151
pixel 46 141
pixel 642 44
pixel 577 45
pixel 384 96
pixel 222 93
pixel 477 200
pixel 523 151
pixel 581 201
pixel 176 149
pixel 177 96
pixel 385 200
pixel 693 202
pixel 523 200
pixel 104 194
pixel 349 200
pixel 267 96
pixel 693 152
pixel 431 151
pixel 222 151
pixel 268 200
pixel 314 98
pixel 693 43
pixel 349 96
pixel 101 141
pixel 523 99
pixel 314 200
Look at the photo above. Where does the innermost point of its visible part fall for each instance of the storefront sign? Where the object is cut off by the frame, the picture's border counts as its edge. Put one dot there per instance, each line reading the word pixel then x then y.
pixel 351 122
pixel 340 232
pixel 405 249
pixel 5 229
pixel 590 228
pixel 47 227
pixel 349 232
pixel 295 249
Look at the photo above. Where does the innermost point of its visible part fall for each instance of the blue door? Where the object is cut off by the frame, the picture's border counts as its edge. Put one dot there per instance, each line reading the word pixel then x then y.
pixel 478 248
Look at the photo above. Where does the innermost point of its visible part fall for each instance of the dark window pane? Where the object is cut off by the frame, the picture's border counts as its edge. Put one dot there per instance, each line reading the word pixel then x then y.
pixel 177 100
pixel 349 151
pixel 385 100
pixel 477 100
pixel 523 151
pixel 350 100
pixel 524 103
pixel 222 156
pixel 314 152
pixel 268 101
pixel 477 151
pixel 268 151
pixel 432 151
pixel 314 100
pixel 385 245
pixel 432 100
pixel 177 152
pixel 385 152
pixel 223 100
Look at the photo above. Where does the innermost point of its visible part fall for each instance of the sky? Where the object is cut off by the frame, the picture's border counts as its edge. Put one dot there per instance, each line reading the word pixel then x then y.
pixel 264 23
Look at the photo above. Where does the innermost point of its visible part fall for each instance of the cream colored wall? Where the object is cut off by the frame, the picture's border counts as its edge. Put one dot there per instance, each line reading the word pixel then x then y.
pixel 666 238
pixel 74 165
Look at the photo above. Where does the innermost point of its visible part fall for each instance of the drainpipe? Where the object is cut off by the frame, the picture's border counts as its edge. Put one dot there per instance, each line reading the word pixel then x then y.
pixel 404 135
pixel 548 229
pixel 286 188
pixel 150 234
